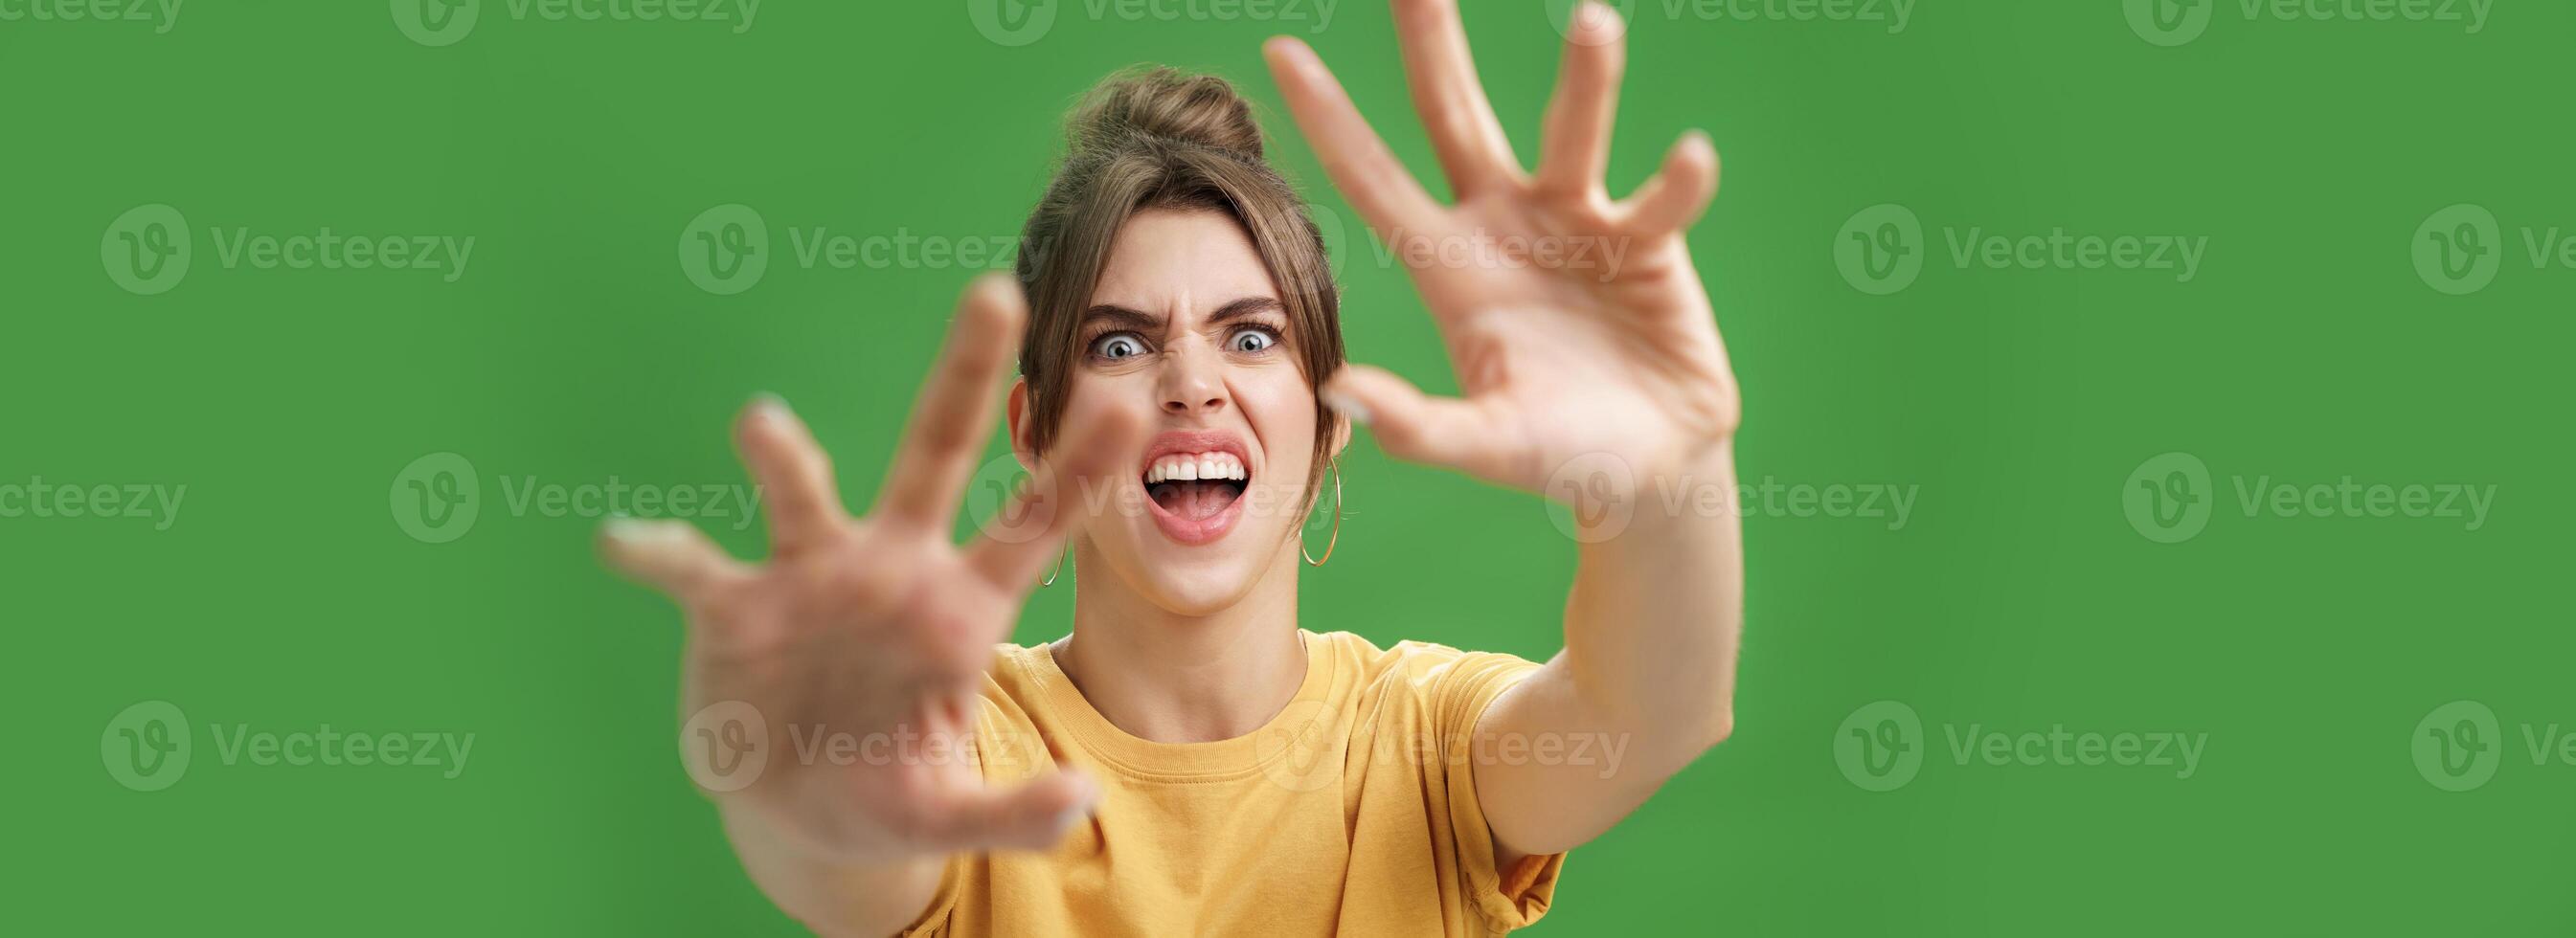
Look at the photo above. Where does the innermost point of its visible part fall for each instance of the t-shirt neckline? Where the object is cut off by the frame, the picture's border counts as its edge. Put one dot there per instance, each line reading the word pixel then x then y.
pixel 1286 732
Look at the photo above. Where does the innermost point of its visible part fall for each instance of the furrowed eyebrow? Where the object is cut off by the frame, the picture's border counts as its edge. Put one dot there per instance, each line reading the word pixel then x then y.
pixel 1247 306
pixel 1121 317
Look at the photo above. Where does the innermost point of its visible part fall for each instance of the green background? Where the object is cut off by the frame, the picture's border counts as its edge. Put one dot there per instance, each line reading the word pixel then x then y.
pixel 2016 403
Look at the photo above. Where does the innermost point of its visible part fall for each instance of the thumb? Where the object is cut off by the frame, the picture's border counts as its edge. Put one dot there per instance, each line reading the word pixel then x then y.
pixel 1442 431
pixel 1032 816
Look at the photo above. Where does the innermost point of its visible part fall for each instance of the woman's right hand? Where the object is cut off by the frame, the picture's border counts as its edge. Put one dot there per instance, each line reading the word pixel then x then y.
pixel 879 628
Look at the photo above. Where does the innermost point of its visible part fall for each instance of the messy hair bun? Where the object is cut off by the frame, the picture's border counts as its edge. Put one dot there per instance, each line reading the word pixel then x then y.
pixel 1160 139
pixel 1165 104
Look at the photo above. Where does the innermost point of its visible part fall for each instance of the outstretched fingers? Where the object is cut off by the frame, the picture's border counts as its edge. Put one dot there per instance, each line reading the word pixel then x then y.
pixel 1457 433
pixel 1575 145
pixel 1677 194
pixel 1090 466
pixel 1354 156
pixel 1032 816
pixel 671 556
pixel 1451 99
pixel 795 475
pixel 955 410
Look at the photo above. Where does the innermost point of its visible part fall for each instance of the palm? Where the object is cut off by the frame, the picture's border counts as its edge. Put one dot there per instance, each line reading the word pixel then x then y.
pixel 1576 325
pixel 872 633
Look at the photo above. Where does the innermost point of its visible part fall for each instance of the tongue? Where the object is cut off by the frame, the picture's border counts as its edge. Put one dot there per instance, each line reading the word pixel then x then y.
pixel 1197 501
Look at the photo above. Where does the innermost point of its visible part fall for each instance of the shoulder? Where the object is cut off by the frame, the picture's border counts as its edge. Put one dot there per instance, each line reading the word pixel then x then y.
pixel 1447 685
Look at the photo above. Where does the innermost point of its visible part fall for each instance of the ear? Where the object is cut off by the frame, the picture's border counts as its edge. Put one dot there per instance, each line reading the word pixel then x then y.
pixel 1020 425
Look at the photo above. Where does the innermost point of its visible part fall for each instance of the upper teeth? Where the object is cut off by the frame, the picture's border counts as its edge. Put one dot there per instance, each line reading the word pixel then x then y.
pixel 1194 466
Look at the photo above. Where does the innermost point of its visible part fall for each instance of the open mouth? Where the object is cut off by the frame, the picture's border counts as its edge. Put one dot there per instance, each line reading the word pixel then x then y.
pixel 1195 483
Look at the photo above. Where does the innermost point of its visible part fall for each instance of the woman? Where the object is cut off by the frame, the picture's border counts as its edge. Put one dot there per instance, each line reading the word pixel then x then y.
pixel 1188 759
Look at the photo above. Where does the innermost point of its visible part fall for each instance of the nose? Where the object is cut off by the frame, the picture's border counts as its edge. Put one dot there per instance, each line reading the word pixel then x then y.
pixel 1192 383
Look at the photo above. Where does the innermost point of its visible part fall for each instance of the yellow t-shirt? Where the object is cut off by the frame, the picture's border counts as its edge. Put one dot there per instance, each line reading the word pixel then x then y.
pixel 1353 812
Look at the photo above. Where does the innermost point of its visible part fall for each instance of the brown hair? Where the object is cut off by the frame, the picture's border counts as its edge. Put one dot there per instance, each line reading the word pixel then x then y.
pixel 1165 139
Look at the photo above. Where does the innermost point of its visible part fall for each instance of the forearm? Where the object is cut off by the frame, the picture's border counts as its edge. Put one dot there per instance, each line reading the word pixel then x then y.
pixel 1653 620
pixel 1646 682
pixel 830 898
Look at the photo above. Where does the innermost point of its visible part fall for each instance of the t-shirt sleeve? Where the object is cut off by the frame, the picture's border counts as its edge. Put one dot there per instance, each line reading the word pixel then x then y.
pixel 1506 898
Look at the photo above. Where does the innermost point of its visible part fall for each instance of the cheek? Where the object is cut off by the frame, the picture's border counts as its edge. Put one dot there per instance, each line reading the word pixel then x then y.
pixel 1281 408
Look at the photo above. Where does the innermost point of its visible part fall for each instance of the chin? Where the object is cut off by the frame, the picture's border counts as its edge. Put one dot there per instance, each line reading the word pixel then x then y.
pixel 1207 591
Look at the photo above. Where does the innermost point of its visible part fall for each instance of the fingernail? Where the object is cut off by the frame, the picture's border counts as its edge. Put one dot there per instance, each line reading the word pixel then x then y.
pixel 618 527
pixel 1344 405
pixel 770 403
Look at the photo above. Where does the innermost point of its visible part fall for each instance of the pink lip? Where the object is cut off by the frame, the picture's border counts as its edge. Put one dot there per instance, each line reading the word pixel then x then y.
pixel 1192 531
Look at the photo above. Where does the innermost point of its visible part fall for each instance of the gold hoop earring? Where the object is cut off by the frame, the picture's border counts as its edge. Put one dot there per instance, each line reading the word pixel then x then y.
pixel 1059 567
pixel 1336 538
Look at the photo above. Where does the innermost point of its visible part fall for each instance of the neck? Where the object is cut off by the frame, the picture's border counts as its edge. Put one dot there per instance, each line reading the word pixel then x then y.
pixel 1173 678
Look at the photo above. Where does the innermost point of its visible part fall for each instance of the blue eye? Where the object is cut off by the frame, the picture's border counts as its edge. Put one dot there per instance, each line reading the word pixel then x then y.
pixel 1252 340
pixel 1117 345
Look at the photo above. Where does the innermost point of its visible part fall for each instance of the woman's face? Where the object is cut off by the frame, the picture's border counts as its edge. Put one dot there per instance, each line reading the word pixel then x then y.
pixel 1185 324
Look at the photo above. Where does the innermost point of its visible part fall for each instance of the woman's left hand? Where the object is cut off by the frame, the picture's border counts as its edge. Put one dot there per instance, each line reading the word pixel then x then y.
pixel 1576 324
